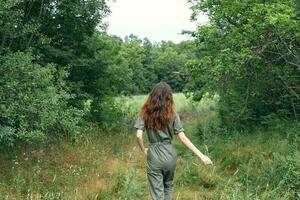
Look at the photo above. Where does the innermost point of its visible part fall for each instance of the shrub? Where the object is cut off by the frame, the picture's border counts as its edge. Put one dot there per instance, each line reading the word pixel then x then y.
pixel 287 175
pixel 33 100
pixel 108 113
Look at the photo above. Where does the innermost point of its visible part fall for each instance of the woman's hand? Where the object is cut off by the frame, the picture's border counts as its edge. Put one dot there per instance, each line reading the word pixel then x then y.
pixel 206 160
pixel 185 140
pixel 146 151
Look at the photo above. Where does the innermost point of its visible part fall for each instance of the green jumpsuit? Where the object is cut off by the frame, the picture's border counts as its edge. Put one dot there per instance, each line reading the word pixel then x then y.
pixel 161 158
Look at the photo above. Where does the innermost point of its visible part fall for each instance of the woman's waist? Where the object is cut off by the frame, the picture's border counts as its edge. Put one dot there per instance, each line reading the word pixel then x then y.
pixel 165 142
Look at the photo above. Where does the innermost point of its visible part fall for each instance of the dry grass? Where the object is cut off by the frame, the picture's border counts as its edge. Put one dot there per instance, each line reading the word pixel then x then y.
pixel 111 166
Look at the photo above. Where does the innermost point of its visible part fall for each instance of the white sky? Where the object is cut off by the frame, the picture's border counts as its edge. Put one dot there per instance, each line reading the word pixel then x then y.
pixel 155 19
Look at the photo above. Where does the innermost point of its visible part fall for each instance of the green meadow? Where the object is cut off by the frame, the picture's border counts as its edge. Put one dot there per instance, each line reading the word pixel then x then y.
pixel 261 164
pixel 71 91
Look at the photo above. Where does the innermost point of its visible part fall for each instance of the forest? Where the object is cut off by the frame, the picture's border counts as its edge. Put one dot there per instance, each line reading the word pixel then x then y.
pixel 70 92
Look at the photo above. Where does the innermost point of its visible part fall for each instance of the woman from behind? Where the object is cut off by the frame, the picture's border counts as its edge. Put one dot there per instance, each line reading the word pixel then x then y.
pixel 161 122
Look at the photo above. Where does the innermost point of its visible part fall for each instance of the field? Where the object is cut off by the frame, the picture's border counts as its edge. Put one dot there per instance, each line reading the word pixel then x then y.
pixel 262 164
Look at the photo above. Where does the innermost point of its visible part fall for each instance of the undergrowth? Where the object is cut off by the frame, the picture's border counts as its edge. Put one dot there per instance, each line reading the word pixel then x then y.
pixel 259 164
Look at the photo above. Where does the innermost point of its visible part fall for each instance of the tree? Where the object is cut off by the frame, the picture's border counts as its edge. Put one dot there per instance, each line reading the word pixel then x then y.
pixel 33 100
pixel 53 60
pixel 169 65
pixel 250 58
pixel 134 54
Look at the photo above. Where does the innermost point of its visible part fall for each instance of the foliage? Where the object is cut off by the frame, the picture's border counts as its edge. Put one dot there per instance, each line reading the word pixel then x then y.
pixel 33 100
pixel 108 113
pixel 287 175
pixel 134 54
pixel 152 63
pixel 250 57
pixel 103 71
pixel 79 63
pixel 260 165
pixel 169 65
pixel 55 57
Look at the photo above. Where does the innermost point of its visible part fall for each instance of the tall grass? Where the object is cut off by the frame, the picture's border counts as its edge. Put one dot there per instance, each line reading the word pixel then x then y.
pixel 260 164
pixel 253 166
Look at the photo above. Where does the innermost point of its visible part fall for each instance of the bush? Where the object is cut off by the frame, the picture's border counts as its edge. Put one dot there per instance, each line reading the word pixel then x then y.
pixel 7 135
pixel 239 60
pixel 33 100
pixel 287 175
pixel 108 113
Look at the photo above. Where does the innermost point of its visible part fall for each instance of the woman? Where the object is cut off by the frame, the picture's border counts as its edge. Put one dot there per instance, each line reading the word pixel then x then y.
pixel 161 123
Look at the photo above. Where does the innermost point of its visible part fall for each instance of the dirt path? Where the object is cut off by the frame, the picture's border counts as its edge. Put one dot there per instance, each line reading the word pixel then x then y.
pixel 122 172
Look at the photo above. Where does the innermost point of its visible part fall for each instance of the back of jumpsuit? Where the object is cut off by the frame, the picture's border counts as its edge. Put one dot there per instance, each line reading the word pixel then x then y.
pixel 161 158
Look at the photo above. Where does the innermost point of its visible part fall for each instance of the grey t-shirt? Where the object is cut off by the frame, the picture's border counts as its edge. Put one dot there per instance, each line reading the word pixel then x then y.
pixel 155 135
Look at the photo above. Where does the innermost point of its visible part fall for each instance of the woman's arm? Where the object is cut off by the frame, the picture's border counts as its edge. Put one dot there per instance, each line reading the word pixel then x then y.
pixel 186 141
pixel 139 138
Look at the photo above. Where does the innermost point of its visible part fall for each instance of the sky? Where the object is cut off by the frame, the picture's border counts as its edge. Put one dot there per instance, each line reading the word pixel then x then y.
pixel 155 19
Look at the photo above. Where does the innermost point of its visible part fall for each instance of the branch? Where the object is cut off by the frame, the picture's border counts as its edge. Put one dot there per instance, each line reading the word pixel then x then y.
pixel 39 16
pixel 289 88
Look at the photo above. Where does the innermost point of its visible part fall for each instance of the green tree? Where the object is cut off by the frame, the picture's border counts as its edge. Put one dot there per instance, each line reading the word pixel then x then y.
pixel 250 58
pixel 59 44
pixel 169 65
pixel 33 100
pixel 149 68
pixel 102 73
pixel 134 54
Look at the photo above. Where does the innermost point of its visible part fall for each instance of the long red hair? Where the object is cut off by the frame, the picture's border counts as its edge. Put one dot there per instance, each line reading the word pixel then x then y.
pixel 159 110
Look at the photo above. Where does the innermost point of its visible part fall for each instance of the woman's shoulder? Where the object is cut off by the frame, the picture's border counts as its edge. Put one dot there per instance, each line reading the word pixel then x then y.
pixel 177 116
pixel 139 123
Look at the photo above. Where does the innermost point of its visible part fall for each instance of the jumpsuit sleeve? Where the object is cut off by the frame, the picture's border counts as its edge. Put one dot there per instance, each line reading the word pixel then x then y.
pixel 177 125
pixel 139 124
